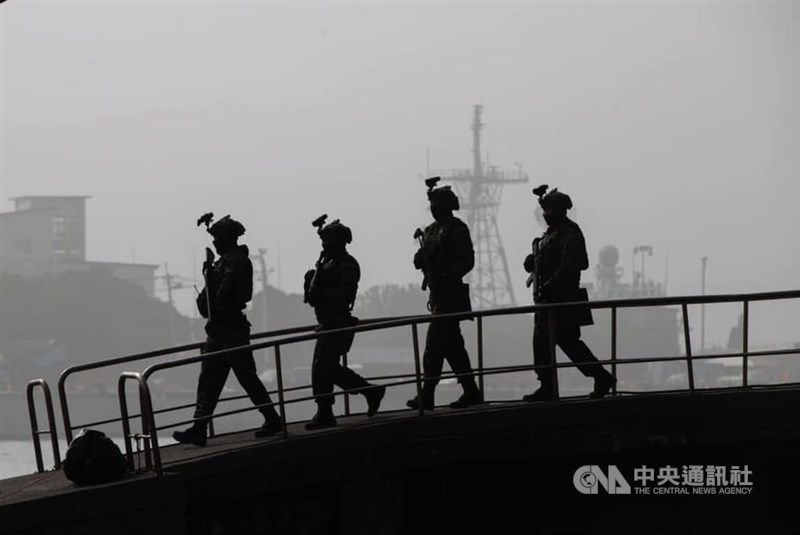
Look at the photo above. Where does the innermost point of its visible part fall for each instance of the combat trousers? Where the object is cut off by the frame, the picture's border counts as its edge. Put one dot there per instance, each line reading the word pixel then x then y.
pixel 327 370
pixel 568 338
pixel 444 341
pixel 214 373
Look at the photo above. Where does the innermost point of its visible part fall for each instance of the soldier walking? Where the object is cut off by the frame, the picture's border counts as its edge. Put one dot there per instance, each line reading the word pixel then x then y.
pixel 555 265
pixel 229 286
pixel 445 256
pixel 331 289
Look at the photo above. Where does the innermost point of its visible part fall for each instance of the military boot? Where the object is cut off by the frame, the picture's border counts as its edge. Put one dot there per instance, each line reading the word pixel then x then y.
pixel 471 396
pixel 324 418
pixel 196 435
pixel 272 426
pixel 543 393
pixel 602 385
pixel 374 397
pixel 427 400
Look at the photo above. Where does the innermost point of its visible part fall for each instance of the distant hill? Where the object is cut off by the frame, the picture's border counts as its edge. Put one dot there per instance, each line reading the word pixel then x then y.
pixel 50 322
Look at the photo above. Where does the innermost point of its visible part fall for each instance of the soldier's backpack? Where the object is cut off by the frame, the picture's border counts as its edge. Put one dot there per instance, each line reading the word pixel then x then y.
pixel 93 458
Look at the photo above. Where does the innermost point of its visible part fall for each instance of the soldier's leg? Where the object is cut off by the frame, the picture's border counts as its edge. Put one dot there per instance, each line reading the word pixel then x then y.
pixel 542 356
pixel 347 379
pixel 244 367
pixel 326 360
pixel 569 340
pixel 543 350
pixel 433 357
pixel 344 377
pixel 432 362
pixel 579 353
pixel 458 359
pixel 456 352
pixel 213 374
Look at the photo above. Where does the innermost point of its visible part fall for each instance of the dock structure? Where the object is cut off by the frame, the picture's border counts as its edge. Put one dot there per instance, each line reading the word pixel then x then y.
pixel 499 469
pixel 716 460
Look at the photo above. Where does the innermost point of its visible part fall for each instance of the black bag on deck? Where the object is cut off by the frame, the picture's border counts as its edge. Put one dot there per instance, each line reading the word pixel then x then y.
pixel 93 458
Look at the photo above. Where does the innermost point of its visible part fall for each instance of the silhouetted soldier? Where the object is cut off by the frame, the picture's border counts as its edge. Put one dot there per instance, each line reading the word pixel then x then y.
pixel 445 256
pixel 229 286
pixel 555 265
pixel 331 289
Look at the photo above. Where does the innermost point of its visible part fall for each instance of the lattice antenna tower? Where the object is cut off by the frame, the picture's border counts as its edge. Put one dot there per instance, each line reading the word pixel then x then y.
pixel 479 190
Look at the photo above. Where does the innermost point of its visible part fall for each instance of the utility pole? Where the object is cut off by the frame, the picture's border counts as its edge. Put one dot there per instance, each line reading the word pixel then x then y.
pixel 195 313
pixel 280 284
pixel 703 306
pixel 262 253
pixel 171 303
pixel 643 249
pixel 169 285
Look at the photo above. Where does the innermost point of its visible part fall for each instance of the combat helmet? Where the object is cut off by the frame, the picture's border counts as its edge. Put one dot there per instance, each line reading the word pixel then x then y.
pixel 336 232
pixel 553 198
pixel 444 196
pixel 226 228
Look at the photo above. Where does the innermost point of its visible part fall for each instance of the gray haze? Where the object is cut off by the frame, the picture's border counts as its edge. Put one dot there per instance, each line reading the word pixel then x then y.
pixel 675 125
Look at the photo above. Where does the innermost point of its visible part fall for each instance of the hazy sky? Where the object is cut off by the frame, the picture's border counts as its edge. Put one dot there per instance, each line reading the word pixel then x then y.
pixel 675 125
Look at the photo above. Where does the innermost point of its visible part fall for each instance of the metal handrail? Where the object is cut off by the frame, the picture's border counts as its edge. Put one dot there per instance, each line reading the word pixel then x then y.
pixel 427 318
pixel 149 432
pixel 51 422
pixel 71 370
pixel 414 321
pixel 62 393
pixel 444 375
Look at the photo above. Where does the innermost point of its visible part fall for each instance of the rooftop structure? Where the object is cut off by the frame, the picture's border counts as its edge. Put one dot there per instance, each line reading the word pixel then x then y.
pixel 47 234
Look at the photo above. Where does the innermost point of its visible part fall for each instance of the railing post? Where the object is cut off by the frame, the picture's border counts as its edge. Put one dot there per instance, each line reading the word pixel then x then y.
pixel 62 400
pixel 37 447
pixel 614 347
pixel 346 395
pixel 126 426
pixel 551 341
pixel 688 342
pixel 211 432
pixel 152 453
pixel 745 339
pixel 480 356
pixel 51 422
pixel 279 378
pixel 149 426
pixel 415 338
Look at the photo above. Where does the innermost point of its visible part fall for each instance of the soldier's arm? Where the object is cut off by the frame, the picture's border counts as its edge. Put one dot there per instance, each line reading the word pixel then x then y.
pixel 419 259
pixel 422 256
pixel 345 292
pixel 202 305
pixel 527 264
pixel 530 261
pixel 572 260
pixel 463 252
